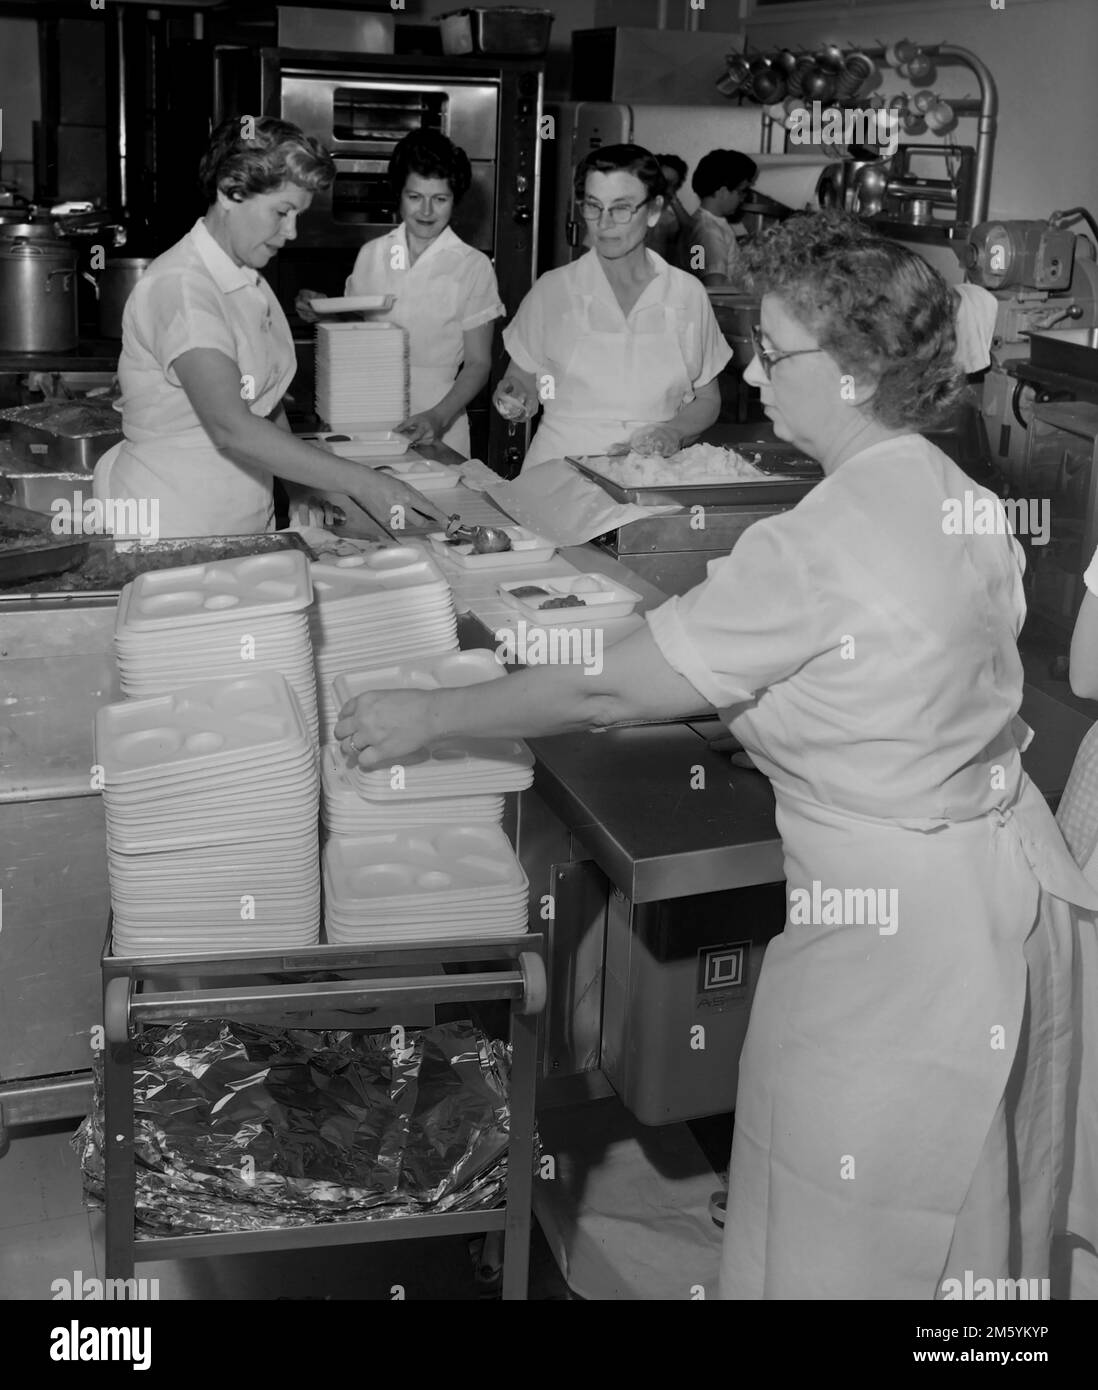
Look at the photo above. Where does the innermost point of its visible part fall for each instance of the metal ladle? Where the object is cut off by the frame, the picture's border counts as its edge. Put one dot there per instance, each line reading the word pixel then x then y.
pixel 485 540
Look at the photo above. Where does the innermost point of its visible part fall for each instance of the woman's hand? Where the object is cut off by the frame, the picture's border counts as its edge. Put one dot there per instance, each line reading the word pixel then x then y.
pixel 660 441
pixel 515 400
pixel 303 307
pixel 382 726
pixel 426 427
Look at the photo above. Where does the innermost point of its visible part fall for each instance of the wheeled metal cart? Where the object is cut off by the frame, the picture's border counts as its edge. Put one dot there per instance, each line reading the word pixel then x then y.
pixel 378 981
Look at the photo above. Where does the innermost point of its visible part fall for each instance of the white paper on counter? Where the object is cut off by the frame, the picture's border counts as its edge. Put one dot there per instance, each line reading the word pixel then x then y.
pixel 557 502
pixel 626 1213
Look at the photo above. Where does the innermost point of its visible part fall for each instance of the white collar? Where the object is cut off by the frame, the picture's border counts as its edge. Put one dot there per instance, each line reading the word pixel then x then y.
pixel 593 275
pixel 446 238
pixel 227 275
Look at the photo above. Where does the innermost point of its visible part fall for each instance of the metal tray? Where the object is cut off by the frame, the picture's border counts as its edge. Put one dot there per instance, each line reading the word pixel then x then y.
pixel 42 437
pixel 140 557
pixel 1070 350
pixel 790 477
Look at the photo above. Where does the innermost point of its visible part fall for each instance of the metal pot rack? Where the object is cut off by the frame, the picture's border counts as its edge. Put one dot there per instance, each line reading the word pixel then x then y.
pixel 985 108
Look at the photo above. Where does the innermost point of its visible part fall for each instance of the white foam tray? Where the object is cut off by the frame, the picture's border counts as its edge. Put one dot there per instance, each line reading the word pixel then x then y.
pixel 205 725
pixel 425 673
pixel 526 549
pixel 255 585
pixel 412 869
pixel 602 598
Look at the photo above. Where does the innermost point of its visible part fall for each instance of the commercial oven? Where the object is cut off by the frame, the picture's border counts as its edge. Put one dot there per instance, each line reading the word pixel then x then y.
pixel 359 106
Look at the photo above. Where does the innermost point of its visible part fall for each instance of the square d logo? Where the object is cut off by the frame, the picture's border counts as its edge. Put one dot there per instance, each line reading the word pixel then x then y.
pixel 723 967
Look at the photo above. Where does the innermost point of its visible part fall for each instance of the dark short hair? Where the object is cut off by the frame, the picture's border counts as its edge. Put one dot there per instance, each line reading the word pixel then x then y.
pixel 877 307
pixel 722 169
pixel 275 153
pixel 672 161
pixel 432 156
pixel 632 159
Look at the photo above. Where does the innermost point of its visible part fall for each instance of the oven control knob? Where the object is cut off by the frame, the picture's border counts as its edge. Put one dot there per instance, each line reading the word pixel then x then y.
pixel 523 215
pixel 522 183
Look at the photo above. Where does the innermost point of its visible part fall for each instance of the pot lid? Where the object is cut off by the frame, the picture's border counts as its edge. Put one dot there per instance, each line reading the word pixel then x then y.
pixel 40 248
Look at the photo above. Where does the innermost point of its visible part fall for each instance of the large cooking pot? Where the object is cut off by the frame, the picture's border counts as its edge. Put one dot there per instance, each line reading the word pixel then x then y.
pixel 38 295
pixel 114 286
pixel 18 222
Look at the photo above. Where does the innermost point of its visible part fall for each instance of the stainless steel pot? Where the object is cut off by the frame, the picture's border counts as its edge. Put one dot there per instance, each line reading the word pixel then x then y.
pixel 19 222
pixel 38 295
pixel 114 286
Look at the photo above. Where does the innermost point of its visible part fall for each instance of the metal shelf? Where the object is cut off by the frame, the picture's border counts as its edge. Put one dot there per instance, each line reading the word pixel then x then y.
pixel 144 990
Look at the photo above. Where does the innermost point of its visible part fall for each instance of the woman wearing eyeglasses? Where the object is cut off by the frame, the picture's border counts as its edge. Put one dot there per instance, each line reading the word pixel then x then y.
pixel 618 348
pixel 907 1084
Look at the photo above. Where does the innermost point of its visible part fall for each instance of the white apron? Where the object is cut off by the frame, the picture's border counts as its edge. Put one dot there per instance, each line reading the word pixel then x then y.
pixel 420 306
pixel 1078 818
pixel 614 382
pixel 873 1076
pixel 199 491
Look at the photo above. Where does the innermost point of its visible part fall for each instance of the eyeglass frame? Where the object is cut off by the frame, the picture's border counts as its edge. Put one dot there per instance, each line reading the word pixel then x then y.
pixel 582 203
pixel 768 357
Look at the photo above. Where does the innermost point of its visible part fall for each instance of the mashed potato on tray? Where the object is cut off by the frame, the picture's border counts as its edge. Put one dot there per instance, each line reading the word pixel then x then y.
pixel 701 463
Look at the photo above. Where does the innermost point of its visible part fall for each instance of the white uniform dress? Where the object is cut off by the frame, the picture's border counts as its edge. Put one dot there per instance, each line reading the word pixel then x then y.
pixel 1078 818
pixel 450 290
pixel 600 375
pixel 194 296
pixel 867 661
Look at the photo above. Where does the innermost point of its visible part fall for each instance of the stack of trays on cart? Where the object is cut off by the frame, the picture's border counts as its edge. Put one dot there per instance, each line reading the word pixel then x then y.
pixel 345 812
pixel 383 606
pixel 211 798
pixel 396 865
pixel 225 618
pixel 432 884
pixel 362 374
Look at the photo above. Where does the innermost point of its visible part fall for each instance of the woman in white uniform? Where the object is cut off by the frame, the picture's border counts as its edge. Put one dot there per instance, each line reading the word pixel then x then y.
pixel 903 1099
pixel 619 347
pixel 207 354
pixel 446 292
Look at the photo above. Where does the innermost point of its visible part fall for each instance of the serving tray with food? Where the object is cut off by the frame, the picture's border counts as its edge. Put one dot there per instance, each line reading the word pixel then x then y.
pixel 704 474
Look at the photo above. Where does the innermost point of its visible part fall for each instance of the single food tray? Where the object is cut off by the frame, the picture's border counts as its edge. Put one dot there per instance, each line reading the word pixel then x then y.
pixel 788 476
pixel 601 599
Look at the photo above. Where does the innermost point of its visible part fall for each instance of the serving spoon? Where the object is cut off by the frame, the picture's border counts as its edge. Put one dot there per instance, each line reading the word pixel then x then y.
pixel 485 540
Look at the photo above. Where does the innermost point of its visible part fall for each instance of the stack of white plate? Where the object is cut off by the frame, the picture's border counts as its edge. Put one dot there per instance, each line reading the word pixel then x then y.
pixel 211 806
pixel 346 813
pixel 428 884
pixel 450 767
pixel 374 609
pixel 225 618
pixel 362 374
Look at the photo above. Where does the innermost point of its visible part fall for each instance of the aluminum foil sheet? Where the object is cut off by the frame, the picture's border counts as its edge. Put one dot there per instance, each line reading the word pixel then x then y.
pixel 241 1127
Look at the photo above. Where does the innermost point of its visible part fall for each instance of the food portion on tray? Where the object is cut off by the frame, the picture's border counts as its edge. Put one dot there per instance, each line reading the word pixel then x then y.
pixel 700 463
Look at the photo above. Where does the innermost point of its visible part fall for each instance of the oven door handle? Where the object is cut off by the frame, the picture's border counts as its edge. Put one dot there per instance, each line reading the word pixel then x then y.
pixel 361 166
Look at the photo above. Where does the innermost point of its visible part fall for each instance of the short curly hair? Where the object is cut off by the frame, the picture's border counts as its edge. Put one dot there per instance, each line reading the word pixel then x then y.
pixel 878 308
pixel 432 156
pixel 257 154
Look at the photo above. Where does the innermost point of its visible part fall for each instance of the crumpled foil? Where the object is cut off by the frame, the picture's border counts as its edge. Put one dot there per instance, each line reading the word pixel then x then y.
pixel 241 1127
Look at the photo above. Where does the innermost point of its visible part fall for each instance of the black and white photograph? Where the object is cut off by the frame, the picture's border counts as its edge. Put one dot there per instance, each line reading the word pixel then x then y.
pixel 548 668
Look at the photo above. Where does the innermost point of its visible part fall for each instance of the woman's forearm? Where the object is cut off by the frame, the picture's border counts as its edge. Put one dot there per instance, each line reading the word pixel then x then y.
pixel 695 418
pixel 631 680
pixel 261 444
